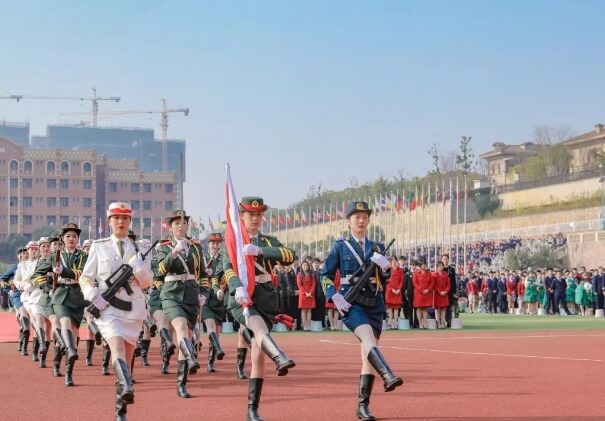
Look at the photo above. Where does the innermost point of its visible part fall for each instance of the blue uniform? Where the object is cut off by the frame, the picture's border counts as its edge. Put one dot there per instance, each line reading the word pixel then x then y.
pixel 14 294
pixel 597 288
pixel 502 304
pixel 342 259
pixel 549 283
pixel 492 295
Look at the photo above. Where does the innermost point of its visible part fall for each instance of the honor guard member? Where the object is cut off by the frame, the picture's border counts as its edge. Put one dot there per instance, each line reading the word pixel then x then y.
pixel 120 328
pixel 181 265
pixel 149 326
pixel 213 313
pixel 260 299
pixel 40 279
pixel 92 333
pixel 15 299
pixel 22 282
pixel 364 316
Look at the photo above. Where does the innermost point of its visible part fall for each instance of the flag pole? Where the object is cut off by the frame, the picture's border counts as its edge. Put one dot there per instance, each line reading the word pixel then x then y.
pixel 465 200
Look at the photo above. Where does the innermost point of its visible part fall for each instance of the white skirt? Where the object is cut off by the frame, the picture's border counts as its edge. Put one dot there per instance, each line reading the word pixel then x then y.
pixel 125 324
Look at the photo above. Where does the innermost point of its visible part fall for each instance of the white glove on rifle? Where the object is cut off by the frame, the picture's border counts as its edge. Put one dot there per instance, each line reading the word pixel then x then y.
pixel 181 246
pixel 380 260
pixel 136 262
pixel 99 302
pixel 58 269
pixel 201 299
pixel 220 295
pixel 251 250
pixel 93 295
pixel 341 304
pixel 241 296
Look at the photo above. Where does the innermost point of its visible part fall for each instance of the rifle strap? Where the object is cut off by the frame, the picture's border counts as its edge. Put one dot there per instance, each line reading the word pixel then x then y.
pixel 355 254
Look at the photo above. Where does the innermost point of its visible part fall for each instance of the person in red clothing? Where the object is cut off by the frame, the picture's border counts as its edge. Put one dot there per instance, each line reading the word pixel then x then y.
pixel 393 296
pixel 441 288
pixel 423 293
pixel 473 287
pixel 333 315
pixel 521 294
pixel 511 293
pixel 305 280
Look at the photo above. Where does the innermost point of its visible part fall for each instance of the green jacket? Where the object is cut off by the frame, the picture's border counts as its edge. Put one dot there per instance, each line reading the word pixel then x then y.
pixel 168 264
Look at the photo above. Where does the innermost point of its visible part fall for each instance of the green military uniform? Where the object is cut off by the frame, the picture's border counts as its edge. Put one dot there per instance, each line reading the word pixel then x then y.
pixel 153 298
pixel 215 308
pixel 43 278
pixel 183 278
pixel 68 301
pixel 265 300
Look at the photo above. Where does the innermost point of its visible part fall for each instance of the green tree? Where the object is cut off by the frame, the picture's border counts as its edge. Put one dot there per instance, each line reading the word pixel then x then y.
pixel 465 158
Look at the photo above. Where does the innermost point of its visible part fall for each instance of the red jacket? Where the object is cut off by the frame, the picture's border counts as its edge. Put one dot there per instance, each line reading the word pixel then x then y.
pixel 510 287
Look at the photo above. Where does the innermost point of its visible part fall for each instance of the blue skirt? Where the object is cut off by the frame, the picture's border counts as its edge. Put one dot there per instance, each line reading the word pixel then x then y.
pixel 359 315
pixel 15 297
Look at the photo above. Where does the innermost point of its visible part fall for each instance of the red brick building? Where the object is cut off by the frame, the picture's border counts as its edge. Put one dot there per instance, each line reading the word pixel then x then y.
pixel 50 187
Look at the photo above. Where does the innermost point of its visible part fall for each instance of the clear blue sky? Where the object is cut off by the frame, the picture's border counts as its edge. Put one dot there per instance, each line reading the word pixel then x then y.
pixel 295 93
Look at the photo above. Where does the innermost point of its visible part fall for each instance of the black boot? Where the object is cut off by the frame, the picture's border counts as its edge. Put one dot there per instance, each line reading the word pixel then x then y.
pixel 377 361
pixel 213 337
pixel 132 369
pixel 106 359
pixel 43 355
pixel 90 346
pixel 255 388
pixel 247 335
pixel 165 357
pixel 282 362
pixel 35 348
pixel 42 341
pixel 69 369
pixel 181 379
pixel 26 331
pixel 57 360
pixel 366 381
pixel 241 361
pixel 120 404
pixel 145 343
pixel 120 368
pixel 186 348
pixel 70 344
pixel 20 346
pixel 59 339
pixel 165 335
pixel 94 329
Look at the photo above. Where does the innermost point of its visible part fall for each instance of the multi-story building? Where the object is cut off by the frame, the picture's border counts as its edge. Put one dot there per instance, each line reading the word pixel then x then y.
pixel 50 187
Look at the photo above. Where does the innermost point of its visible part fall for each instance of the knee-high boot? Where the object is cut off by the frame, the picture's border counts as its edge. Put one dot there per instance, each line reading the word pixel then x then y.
pixel 145 343
pixel 90 346
pixel 165 356
pixel 241 361
pixel 43 355
pixel 69 369
pixel 214 342
pixel 42 340
pixel 366 381
pixel 121 406
pixel 211 358
pixel 255 389
pixel 58 356
pixel 35 348
pixel 167 338
pixel 377 361
pixel 94 329
pixel 186 348
pixel 181 379
pixel 120 368
pixel 70 344
pixel 281 360
pixel 106 359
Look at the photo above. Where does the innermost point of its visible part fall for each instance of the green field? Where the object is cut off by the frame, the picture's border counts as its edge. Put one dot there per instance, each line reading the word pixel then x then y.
pixel 514 322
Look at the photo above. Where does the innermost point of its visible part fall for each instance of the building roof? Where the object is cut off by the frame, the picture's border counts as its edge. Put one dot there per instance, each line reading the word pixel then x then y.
pixel 597 134
pixel 142 176
pixel 502 149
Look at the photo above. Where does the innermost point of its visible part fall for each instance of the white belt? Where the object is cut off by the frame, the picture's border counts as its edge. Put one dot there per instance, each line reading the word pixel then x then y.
pixel 262 279
pixel 346 280
pixel 67 281
pixel 182 277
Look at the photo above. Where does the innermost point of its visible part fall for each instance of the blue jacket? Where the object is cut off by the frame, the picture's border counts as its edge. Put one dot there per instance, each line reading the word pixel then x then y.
pixel 492 285
pixel 10 273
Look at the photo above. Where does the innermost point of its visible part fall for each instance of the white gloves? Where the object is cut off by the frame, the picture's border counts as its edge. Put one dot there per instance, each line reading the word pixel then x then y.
pixel 144 243
pixel 93 295
pixel 380 260
pixel 220 295
pixel 136 262
pixel 58 269
pixel 341 304
pixel 251 250
pixel 181 246
pixel 28 288
pixel 201 299
pixel 241 296
pixel 99 302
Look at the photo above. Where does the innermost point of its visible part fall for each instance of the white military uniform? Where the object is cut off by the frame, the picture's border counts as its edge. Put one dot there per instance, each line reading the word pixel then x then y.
pixel 30 294
pixel 103 259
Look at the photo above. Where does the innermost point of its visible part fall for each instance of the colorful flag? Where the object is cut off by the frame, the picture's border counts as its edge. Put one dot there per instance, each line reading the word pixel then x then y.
pixel 296 216
pixel 303 216
pixel 210 224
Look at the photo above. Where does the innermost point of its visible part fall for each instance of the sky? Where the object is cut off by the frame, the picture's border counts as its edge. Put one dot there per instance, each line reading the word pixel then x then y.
pixel 301 93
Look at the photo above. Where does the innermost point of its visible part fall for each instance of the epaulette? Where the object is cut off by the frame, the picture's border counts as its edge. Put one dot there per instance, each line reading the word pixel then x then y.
pixel 270 237
pixel 340 239
pixel 102 240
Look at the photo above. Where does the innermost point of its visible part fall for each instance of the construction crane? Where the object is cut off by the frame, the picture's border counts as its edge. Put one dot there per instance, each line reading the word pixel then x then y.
pixel 164 124
pixel 94 99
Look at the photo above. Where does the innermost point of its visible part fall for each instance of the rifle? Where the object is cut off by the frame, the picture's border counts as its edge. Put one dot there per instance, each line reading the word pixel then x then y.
pixel 57 263
pixel 363 276
pixel 117 280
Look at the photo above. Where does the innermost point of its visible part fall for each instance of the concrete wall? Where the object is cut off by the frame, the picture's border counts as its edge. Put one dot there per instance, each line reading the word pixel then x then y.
pixel 546 195
pixel 586 249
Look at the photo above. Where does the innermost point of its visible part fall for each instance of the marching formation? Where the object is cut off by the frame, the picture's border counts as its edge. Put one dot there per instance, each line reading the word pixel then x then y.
pixel 127 291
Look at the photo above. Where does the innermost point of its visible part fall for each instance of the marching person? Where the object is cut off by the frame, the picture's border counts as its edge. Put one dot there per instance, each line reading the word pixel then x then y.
pixel 213 312
pixel 260 299
pixel 364 316
pixel 15 297
pixel 119 327
pixel 181 268
pixel 305 281
pixel 22 282
pixel 393 295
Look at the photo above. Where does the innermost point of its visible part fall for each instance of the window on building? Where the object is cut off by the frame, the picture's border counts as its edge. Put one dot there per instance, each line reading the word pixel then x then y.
pixel 168 205
pixel 65 184
pixel 14 183
pixel 27 202
pixel 147 187
pixel 51 202
pixel 135 204
pixel 13 201
pixel 14 219
pixel 64 168
pixel 28 167
pixel 14 167
pixel 113 187
pixel 51 220
pixel 87 168
pixel 136 223
pixel 134 187
pixel 50 168
pixel 27 183
pixel 146 222
pixel 64 220
pixel 87 184
pixel 87 202
pixel 147 205
pixel 168 188
pixel 87 221
pixel 65 202
pixel 51 184
pixel 27 219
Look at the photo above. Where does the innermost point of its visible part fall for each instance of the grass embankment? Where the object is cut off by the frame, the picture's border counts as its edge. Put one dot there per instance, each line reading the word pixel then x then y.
pixel 582 203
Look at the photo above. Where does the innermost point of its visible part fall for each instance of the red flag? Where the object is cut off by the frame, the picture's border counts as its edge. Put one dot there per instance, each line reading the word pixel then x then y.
pixel 235 238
